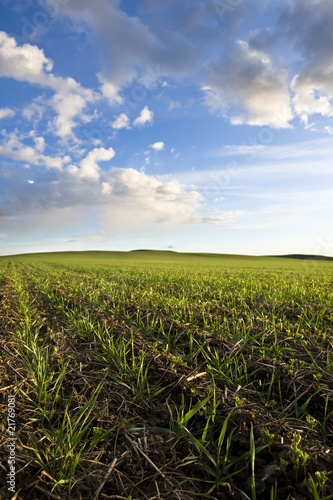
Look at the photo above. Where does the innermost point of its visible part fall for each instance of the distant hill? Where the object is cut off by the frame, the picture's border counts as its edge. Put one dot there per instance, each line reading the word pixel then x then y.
pixel 304 257
pixel 201 254
pixel 172 254
pixel 155 251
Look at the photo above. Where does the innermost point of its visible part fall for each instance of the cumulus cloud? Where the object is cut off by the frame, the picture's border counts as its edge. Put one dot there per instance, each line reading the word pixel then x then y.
pixel 136 200
pixel 35 110
pixel 28 63
pixel 309 41
pixel 12 147
pixel 146 116
pixel 121 198
pixel 24 63
pixel 149 197
pixel 256 92
pixel 131 46
pixel 69 102
pixel 157 146
pixel 121 121
pixel 109 90
pixel 241 79
pixel 89 166
pixel 6 113
pixel 238 77
pixel 313 38
pixel 312 95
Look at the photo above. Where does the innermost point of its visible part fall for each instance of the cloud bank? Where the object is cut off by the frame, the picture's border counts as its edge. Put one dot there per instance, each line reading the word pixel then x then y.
pixel 240 76
pixel 124 198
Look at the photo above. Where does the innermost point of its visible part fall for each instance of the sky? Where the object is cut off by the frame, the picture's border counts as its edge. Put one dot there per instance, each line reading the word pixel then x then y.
pixel 194 126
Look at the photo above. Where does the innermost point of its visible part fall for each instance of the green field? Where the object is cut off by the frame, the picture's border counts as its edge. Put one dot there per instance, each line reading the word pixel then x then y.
pixel 160 375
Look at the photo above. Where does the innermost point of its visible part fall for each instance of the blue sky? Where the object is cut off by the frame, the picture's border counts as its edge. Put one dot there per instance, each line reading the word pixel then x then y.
pixel 193 126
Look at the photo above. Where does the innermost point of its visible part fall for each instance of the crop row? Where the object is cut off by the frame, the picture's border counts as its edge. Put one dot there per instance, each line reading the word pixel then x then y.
pixel 220 377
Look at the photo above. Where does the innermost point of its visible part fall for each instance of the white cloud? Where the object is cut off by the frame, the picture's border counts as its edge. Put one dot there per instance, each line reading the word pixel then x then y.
pixel 121 198
pixel 312 37
pixel 312 95
pixel 109 90
pixel 89 168
pixel 39 143
pixel 329 130
pixel 106 188
pixel 236 75
pixel 157 146
pixel 239 78
pixel 131 46
pixel 35 110
pixel 121 121
pixel 28 63
pixel 69 103
pixel 24 63
pixel 6 113
pixel 146 116
pixel 12 147
pixel 144 197
pixel 255 92
pixel 149 200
